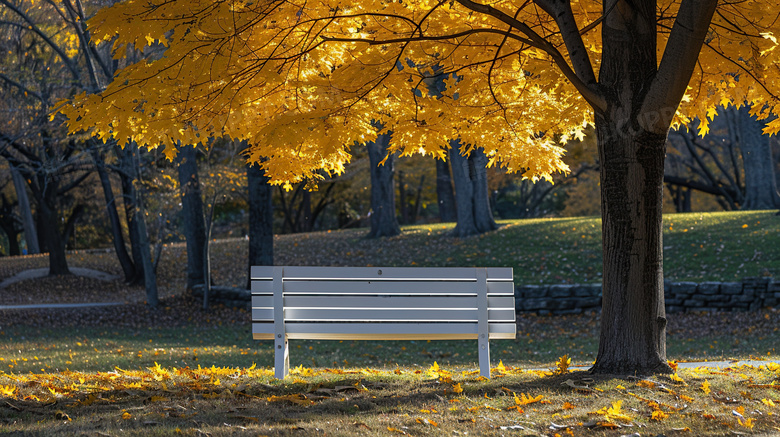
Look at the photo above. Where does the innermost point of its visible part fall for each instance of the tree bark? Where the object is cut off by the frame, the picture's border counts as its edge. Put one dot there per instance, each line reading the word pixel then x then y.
pixel 383 219
pixel 633 319
pixel 444 194
pixel 30 231
pixel 69 232
pixel 49 221
pixel 139 237
pixel 192 215
pixel 472 201
pixel 127 174
pixel 9 222
pixel 150 277
pixel 128 268
pixel 760 181
pixel 261 219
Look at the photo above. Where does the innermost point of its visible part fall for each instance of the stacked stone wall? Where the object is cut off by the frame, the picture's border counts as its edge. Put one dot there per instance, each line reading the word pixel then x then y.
pixel 749 295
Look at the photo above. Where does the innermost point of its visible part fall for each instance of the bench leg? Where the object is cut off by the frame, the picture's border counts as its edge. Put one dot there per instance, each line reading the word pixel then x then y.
pixel 281 357
pixel 483 330
pixel 484 357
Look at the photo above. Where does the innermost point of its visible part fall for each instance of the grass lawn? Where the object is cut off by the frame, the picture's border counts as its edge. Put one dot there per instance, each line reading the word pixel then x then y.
pixel 76 378
pixel 722 246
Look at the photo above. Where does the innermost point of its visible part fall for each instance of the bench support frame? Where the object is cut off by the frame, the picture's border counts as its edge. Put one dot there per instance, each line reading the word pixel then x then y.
pixel 482 324
pixel 281 345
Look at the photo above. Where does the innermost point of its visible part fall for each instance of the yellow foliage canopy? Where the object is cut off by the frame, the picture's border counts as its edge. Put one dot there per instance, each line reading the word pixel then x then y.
pixel 303 82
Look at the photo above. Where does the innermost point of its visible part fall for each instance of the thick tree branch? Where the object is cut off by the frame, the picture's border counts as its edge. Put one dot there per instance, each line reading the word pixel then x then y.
pixel 560 11
pixel 591 95
pixel 677 64
pixel 23 88
pixel 698 186
pixel 372 42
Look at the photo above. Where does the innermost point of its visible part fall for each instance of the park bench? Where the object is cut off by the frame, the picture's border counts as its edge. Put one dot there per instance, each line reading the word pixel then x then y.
pixel 382 303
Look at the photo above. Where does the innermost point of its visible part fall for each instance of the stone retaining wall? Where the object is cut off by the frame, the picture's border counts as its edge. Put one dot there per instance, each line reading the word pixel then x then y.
pixel 749 295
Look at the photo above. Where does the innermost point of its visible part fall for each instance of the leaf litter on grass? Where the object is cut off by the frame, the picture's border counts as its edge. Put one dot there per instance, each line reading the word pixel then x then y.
pixel 229 401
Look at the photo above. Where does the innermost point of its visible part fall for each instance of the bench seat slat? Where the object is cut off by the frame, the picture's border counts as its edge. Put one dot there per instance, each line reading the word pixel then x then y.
pixel 370 273
pixel 400 302
pixel 383 315
pixel 384 331
pixel 384 287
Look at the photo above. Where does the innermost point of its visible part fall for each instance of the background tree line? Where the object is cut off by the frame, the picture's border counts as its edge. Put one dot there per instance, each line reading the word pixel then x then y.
pixel 60 191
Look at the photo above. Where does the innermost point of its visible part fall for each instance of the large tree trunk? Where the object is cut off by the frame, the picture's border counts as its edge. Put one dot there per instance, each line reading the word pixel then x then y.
pixel 633 318
pixel 444 194
pixel 261 219
pixel 383 219
pixel 760 181
pixel 128 268
pixel 30 231
pixel 192 215
pixel 471 192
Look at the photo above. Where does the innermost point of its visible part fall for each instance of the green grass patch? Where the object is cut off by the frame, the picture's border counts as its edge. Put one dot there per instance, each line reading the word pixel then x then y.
pixel 721 246
pixel 539 343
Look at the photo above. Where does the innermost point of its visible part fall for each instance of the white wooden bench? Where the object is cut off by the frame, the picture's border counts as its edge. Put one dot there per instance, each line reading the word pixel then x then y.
pixel 382 303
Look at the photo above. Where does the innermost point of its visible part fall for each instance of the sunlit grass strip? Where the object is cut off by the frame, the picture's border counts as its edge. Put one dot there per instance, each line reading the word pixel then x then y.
pixel 705 401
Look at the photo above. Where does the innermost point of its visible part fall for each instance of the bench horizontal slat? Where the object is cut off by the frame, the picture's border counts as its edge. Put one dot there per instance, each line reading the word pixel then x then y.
pixel 383 287
pixel 383 331
pixel 394 301
pixel 382 315
pixel 388 273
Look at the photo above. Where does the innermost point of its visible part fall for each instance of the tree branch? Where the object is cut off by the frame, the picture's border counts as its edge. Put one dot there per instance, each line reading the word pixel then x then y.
pixel 429 38
pixel 560 11
pixel 24 89
pixel 592 96
pixel 677 64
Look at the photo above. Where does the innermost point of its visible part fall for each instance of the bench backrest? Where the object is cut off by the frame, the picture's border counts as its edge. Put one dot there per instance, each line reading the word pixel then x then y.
pixel 392 303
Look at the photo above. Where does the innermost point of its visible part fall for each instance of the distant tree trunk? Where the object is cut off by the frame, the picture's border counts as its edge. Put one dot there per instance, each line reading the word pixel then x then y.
pixel 417 200
pixel 261 219
pixel 192 215
pixel 760 181
pixel 9 222
pixel 471 192
pixel 128 268
pixel 305 217
pixel 134 207
pixel 13 242
pixel 69 233
pixel 383 220
pixel 127 173
pixel 49 221
pixel 402 202
pixel 150 278
pixel 30 231
pixel 444 194
pixel 681 197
